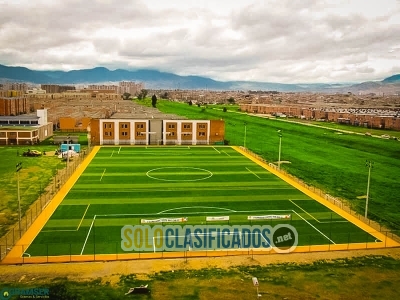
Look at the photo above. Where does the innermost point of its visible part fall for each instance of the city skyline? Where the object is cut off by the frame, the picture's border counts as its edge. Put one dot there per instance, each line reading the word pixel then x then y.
pixel 269 41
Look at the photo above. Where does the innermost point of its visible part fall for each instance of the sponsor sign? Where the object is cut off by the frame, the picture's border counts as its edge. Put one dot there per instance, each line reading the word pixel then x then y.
pixel 164 220
pixel 219 218
pixel 268 217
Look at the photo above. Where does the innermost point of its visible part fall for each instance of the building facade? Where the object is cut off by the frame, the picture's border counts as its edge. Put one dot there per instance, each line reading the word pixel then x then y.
pixel 365 117
pixel 25 129
pixel 156 132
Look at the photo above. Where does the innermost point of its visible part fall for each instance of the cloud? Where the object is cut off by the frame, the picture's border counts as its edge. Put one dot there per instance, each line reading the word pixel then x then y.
pixel 281 41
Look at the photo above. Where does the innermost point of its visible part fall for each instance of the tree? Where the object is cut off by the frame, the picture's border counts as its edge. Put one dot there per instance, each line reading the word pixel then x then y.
pixel 154 100
pixel 164 95
pixel 126 96
pixel 142 94
pixel 231 100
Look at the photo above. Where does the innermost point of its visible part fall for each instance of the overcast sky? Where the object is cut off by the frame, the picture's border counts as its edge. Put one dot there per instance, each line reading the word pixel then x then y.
pixel 287 41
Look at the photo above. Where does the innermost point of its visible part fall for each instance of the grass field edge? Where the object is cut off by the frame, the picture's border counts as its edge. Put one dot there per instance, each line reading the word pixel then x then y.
pixel 378 235
pixel 18 250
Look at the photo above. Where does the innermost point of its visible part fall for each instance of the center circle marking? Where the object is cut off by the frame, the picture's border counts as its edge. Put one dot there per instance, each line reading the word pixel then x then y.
pixel 208 174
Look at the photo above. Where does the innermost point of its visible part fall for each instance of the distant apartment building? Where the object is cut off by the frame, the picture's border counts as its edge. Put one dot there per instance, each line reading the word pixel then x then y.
pixel 103 88
pixel 365 117
pixel 15 86
pixel 55 88
pixel 130 87
pixel 13 103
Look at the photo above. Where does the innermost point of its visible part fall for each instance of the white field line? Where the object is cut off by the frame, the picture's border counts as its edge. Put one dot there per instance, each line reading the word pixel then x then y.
pixel 87 237
pixel 119 150
pixel 112 153
pixel 216 150
pixel 80 223
pixel 327 222
pixel 102 174
pixel 225 152
pixel 253 173
pixel 314 228
pixel 164 211
pixel 196 213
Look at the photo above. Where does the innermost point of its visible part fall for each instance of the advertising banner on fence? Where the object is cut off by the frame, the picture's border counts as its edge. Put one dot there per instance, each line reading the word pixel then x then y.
pixel 268 217
pixel 164 220
pixel 219 218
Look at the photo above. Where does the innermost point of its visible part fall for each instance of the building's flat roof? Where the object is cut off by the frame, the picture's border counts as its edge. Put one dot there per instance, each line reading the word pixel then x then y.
pixel 18 127
pixel 20 117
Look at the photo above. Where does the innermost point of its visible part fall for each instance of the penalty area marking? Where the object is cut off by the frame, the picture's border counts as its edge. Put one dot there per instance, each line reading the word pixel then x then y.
pixel 65 230
pixel 184 207
pixel 321 222
pixel 216 150
pixel 102 174
pixel 225 152
pixel 112 153
pixel 324 235
pixel 253 173
pixel 87 237
pixel 119 150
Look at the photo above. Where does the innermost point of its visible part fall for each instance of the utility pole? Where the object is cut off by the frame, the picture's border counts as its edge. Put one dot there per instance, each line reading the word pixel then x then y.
pixel 368 164
pixel 279 150
pixel 245 134
pixel 18 168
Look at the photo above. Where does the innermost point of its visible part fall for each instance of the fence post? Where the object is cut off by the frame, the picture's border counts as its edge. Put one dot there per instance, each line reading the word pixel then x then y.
pixel 385 238
pixel 348 241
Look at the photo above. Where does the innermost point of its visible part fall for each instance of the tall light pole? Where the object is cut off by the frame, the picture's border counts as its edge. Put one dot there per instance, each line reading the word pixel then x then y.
pixel 280 148
pixel 18 168
pixel 245 134
pixel 368 164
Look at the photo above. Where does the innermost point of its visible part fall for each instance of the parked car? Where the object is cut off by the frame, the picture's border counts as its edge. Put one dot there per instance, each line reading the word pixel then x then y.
pixel 32 153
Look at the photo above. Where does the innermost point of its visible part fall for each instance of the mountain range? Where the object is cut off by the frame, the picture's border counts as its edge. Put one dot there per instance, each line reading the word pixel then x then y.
pixel 154 79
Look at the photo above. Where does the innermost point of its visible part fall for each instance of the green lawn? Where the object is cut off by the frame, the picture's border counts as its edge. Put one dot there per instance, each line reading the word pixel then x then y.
pixel 36 174
pixel 324 158
pixel 123 185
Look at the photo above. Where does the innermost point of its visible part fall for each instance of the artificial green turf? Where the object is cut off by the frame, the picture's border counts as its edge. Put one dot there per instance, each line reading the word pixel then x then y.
pixel 125 184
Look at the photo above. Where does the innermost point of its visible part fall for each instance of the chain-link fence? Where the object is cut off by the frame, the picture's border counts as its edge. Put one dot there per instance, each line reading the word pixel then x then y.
pixel 98 250
pixel 335 201
pixel 17 230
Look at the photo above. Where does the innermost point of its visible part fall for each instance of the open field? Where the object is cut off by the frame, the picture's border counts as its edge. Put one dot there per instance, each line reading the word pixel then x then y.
pixel 325 158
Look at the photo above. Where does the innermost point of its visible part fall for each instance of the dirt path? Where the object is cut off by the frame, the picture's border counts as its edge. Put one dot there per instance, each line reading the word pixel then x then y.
pixel 111 271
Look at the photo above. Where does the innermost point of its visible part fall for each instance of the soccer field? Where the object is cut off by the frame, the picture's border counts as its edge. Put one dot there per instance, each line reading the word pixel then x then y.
pixel 126 185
